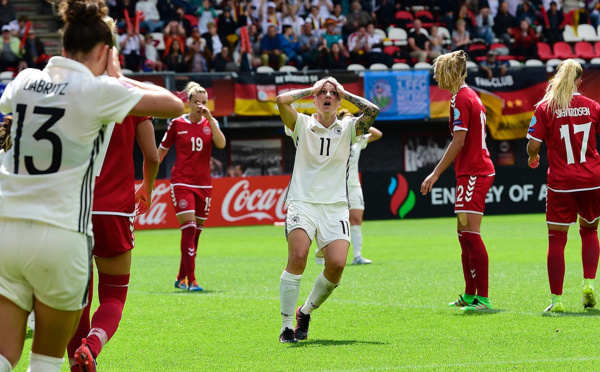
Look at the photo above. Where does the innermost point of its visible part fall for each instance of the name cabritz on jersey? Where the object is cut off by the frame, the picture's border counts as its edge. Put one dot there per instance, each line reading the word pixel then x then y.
pixel 45 87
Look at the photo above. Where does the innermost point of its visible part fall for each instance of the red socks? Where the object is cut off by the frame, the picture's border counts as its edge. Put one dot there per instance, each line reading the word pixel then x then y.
pixel 590 250
pixel 188 251
pixel 557 240
pixel 198 232
pixel 470 287
pixel 112 292
pixel 478 261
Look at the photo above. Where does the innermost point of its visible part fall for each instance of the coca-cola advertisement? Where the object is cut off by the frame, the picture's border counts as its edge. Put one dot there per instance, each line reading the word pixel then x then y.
pixel 235 201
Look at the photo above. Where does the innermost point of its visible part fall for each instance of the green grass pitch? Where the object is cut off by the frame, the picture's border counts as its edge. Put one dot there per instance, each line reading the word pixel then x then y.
pixel 391 315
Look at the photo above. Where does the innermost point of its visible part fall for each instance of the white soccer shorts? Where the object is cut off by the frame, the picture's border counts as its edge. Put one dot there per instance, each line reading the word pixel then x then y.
pixel 355 195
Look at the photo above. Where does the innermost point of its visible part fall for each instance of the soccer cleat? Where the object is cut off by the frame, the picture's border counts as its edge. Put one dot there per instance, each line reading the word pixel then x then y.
pixel 589 296
pixel 84 359
pixel 181 284
pixel 194 287
pixel 287 336
pixel 302 322
pixel 360 260
pixel 556 306
pixel 479 303
pixel 320 260
pixel 463 300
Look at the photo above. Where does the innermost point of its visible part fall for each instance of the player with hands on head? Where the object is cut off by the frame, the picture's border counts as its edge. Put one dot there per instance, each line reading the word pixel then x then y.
pixel 47 180
pixel 569 123
pixel 193 135
pixel 474 175
pixel 317 196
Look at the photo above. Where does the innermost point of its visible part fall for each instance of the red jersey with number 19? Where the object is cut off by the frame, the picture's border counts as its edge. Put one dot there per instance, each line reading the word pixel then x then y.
pixel 193 145
pixel 571 138
pixel 468 113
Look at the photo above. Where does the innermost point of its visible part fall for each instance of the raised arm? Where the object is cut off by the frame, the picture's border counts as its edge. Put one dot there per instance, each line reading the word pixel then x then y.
pixel 374 134
pixel 369 109
pixel 284 102
pixel 217 136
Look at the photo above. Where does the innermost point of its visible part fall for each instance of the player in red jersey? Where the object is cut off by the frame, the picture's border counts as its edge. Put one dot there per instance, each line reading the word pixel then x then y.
pixel 191 186
pixel 115 204
pixel 569 123
pixel 474 175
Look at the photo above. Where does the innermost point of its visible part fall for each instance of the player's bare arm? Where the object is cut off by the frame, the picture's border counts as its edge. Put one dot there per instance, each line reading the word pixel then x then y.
pixel 145 138
pixel 369 109
pixel 533 150
pixel 284 102
pixel 374 134
pixel 217 136
pixel 458 141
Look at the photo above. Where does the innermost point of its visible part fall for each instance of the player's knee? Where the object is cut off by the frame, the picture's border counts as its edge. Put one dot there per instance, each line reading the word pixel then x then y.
pixel 335 265
pixel 298 259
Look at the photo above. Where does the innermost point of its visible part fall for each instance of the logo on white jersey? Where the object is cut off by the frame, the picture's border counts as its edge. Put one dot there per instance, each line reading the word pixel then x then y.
pixel 183 203
pixel 295 219
pixel 241 202
pixel 337 130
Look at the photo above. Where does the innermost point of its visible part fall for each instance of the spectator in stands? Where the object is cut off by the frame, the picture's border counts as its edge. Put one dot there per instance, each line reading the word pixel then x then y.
pixel 292 19
pixel 224 61
pixel 335 58
pixel 270 46
pixel 340 19
pixel 325 7
pixel 206 14
pixel 214 43
pixel 290 46
pixel 175 60
pixel 173 31
pixel 10 53
pixel 183 22
pixel 554 30
pixel 385 13
pixel 331 36
pixel 461 37
pixel 309 43
pixel 152 21
pixel 270 17
pixel 448 8
pixel 194 36
pixel 227 27
pixel 196 58
pixel 119 12
pixel 503 22
pixel 131 45
pixel 491 67
pixel 466 15
pixel 485 22
pixel 35 52
pixel 358 46
pixel 376 54
pixel 526 11
pixel 153 61
pixel 255 38
pixel 18 26
pixel 315 19
pixel 594 9
pixel 356 18
pixel 7 12
pixel 436 40
pixel 418 44
pixel 526 41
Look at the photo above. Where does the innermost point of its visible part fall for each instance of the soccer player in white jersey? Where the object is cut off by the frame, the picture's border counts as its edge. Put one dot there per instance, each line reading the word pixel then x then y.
pixel 47 180
pixel 317 196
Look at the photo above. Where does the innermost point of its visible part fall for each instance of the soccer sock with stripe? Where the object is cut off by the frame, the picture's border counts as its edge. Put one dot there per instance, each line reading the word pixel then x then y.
pixel 320 292
pixel 44 363
pixel 289 289
pixel 188 249
pixel 83 329
pixel 590 251
pixel 356 232
pixel 112 293
pixel 557 240
pixel 470 287
pixel 478 261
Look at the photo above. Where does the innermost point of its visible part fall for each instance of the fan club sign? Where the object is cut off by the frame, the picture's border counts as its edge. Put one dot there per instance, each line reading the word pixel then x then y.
pixel 234 202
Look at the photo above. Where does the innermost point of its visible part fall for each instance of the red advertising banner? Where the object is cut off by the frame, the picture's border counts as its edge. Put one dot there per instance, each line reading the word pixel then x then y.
pixel 235 201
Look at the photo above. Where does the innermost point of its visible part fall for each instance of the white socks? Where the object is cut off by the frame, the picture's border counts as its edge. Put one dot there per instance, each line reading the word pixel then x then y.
pixel 321 290
pixel 356 240
pixel 44 363
pixel 5 365
pixel 289 289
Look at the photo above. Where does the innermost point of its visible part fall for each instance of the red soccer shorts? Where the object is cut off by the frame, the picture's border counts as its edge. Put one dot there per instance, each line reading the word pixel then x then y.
pixel 562 208
pixel 113 235
pixel 471 192
pixel 191 199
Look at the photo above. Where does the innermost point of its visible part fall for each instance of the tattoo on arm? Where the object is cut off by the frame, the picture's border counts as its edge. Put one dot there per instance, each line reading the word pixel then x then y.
pixel 370 112
pixel 299 94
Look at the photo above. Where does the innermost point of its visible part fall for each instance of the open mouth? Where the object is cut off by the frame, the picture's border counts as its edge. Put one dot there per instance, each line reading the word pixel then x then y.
pixel 327 104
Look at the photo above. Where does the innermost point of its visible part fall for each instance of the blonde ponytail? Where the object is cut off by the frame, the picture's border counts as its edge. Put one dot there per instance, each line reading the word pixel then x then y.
pixel 192 88
pixel 561 88
pixel 451 70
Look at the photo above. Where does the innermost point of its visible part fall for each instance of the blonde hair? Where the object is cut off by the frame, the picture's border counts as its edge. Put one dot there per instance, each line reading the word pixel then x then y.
pixel 451 70
pixel 561 88
pixel 343 113
pixel 5 138
pixel 192 88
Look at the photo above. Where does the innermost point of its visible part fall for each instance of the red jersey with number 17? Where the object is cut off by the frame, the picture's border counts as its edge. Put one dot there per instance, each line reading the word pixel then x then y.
pixel 571 138
pixel 468 113
pixel 193 145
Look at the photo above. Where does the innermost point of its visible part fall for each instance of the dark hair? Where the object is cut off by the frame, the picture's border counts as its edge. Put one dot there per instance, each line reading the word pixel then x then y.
pixel 5 140
pixel 86 25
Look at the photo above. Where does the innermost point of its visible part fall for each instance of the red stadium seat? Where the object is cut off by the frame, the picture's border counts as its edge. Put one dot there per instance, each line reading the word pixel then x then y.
pixel 426 18
pixel 563 50
pixel 584 50
pixel 193 20
pixel 392 50
pixel 545 52
pixel 404 19
pixel 597 47
pixel 499 57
